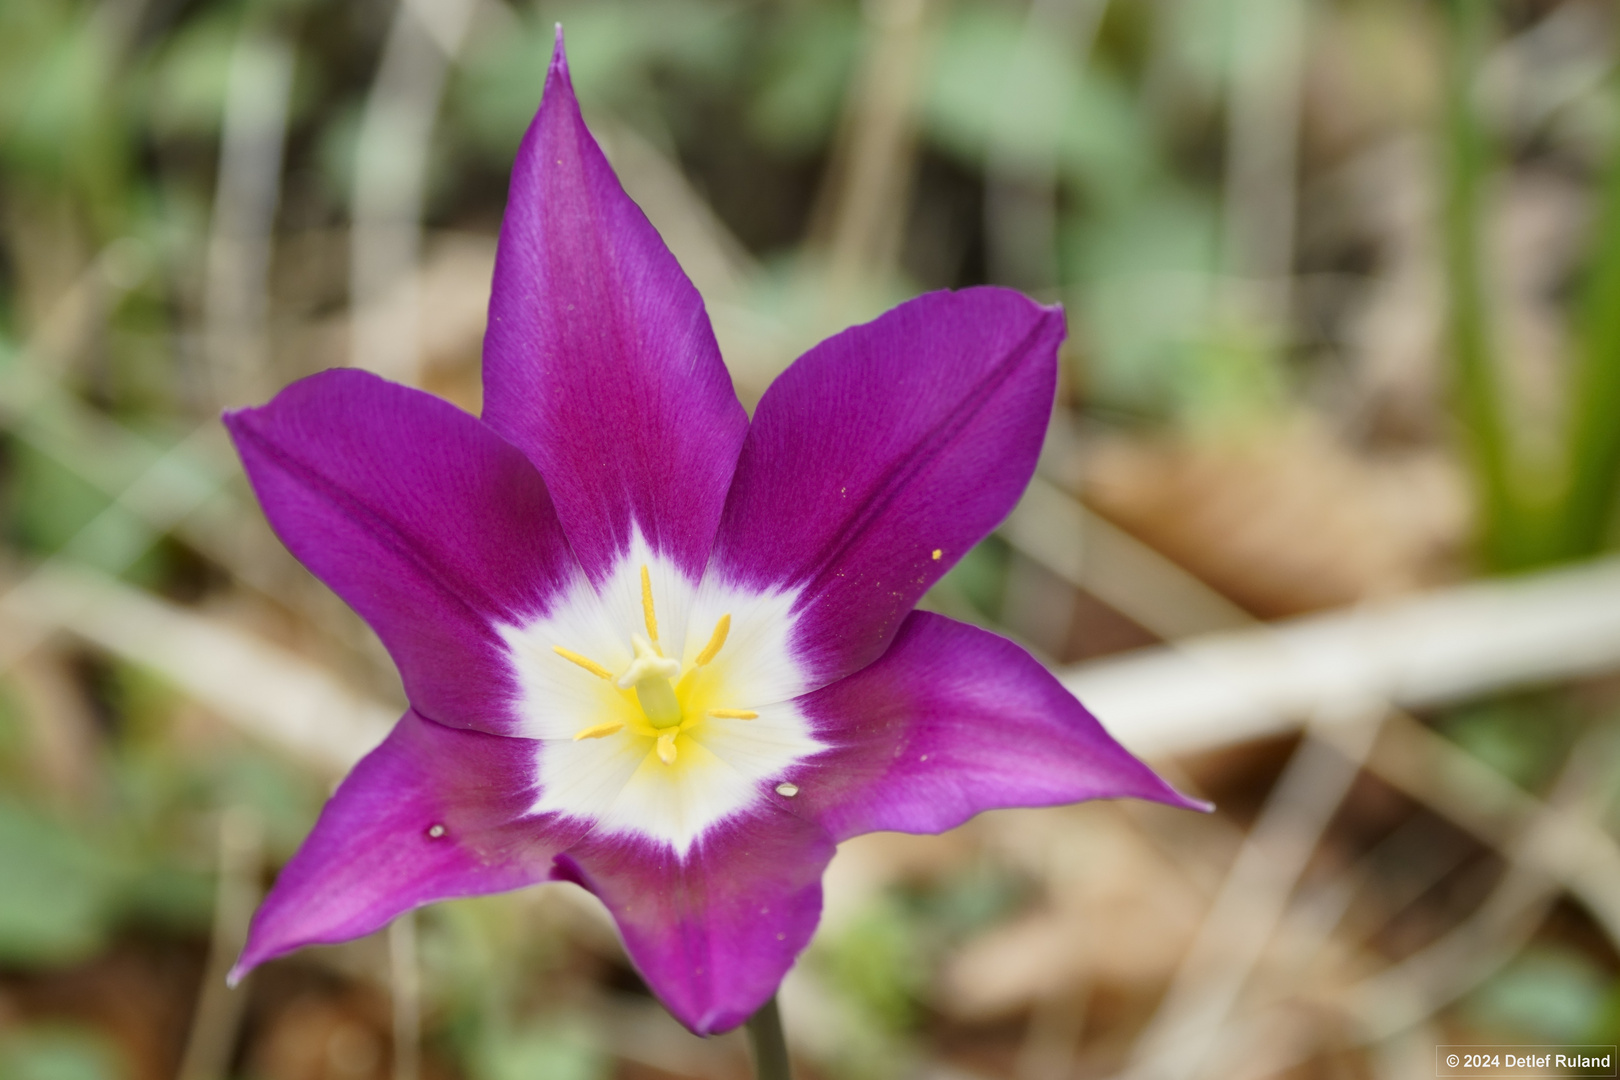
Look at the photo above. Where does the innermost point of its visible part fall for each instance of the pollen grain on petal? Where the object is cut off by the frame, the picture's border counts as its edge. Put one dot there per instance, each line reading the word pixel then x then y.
pixel 939 553
pixel 716 641
pixel 666 746
pixel 583 661
pixel 598 731
pixel 647 612
pixel 734 714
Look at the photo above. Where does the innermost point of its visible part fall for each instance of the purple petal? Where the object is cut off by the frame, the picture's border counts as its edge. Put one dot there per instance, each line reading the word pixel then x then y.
pixel 433 813
pixel 599 362
pixel 712 934
pixel 423 519
pixel 950 721
pixel 881 456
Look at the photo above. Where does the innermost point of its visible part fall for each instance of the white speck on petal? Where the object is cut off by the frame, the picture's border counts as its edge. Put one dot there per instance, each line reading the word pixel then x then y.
pixel 787 791
pixel 436 831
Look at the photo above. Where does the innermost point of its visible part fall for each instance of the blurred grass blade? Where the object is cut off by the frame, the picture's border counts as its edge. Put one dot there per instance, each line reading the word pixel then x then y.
pixel 1467 161
pixel 261 688
pixel 1594 402
pixel 245 199
pixel 1419 652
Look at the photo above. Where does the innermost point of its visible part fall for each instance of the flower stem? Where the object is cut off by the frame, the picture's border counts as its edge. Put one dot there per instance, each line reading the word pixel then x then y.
pixel 770 1048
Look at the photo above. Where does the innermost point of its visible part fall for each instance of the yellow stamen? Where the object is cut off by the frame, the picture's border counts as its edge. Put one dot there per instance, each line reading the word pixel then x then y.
pixel 666 746
pixel 599 731
pixel 734 714
pixel 647 612
pixel 716 640
pixel 583 661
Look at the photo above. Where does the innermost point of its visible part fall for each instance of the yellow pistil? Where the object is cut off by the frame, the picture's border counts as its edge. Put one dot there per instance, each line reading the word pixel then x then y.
pixel 716 640
pixel 583 661
pixel 734 714
pixel 649 676
pixel 647 613
pixel 600 731
pixel 666 746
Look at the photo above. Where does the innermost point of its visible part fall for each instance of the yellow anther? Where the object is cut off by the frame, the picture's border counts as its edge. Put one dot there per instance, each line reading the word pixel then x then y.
pixel 599 731
pixel 647 612
pixel 666 746
pixel 734 714
pixel 716 640
pixel 583 661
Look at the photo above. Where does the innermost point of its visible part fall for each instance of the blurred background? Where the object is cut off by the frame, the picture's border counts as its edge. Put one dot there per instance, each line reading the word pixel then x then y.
pixel 1322 524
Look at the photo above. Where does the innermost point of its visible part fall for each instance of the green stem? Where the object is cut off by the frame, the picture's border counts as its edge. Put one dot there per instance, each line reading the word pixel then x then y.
pixel 770 1048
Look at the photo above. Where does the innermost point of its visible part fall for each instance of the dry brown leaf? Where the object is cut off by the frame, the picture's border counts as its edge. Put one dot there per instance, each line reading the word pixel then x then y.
pixel 1116 911
pixel 1289 521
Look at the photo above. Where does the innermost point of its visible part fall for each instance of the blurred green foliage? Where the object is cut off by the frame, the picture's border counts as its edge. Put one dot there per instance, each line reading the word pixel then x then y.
pixel 877 961
pixel 1546 995
pixel 1525 737
pixel 881 960
pixel 58 1053
pixel 550 1051
pixel 60 890
pixel 141 852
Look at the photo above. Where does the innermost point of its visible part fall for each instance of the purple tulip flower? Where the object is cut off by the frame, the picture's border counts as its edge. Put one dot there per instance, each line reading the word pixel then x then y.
pixel 650 647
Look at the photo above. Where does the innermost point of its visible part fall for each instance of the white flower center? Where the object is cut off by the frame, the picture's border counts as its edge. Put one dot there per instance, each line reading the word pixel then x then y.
pixel 659 736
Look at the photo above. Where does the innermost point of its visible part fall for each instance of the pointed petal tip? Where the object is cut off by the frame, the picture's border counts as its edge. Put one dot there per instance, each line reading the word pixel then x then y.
pixel 256 951
pixel 240 423
pixel 559 88
pixel 1052 313
pixel 1167 794
pixel 559 54
pixel 1164 792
